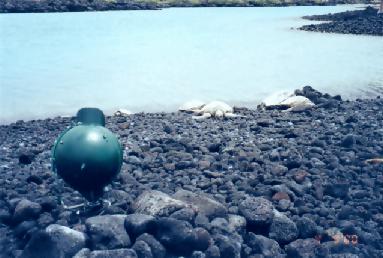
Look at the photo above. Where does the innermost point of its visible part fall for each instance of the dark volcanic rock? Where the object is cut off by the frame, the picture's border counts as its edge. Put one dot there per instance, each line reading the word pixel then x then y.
pixel 117 253
pixel 26 210
pixel 107 232
pixel 69 241
pixel 142 249
pixel 307 228
pixel 41 245
pixel 351 22
pixel 339 190
pixel 263 245
pixel 179 237
pixel 257 211
pixel 157 249
pixel 282 229
pixel 137 224
pixel 26 157
pixel 205 205
pixel 302 248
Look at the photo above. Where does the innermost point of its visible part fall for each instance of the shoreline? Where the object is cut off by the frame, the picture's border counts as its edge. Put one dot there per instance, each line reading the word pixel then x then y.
pixel 301 182
pixel 48 6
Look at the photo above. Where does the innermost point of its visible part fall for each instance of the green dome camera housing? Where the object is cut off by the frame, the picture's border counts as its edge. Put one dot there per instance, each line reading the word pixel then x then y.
pixel 87 156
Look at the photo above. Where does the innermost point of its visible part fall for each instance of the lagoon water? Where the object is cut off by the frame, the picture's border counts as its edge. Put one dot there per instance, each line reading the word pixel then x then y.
pixel 53 64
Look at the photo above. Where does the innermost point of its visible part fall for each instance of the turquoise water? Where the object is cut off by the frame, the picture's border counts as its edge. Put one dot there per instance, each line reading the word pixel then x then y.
pixel 53 64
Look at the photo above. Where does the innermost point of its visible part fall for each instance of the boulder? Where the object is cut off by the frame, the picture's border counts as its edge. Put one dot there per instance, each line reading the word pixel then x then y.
pixel 142 249
pixel 158 250
pixel 176 235
pixel 306 227
pixel 137 224
pixel 68 240
pixel 157 203
pixel 83 253
pixel 35 248
pixel 302 248
pixel 258 212
pixel 26 210
pixel 116 253
pixel 236 223
pixel 107 232
pixel 204 205
pixel 282 229
pixel 228 247
pixel 267 247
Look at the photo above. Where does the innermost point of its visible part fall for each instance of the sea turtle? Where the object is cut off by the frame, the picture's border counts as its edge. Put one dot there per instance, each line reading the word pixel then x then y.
pixel 191 106
pixel 286 100
pixel 295 102
pixel 215 109
pixel 123 112
pixel 276 98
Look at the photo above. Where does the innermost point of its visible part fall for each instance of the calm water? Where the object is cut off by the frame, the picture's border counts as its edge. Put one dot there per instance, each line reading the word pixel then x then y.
pixel 155 60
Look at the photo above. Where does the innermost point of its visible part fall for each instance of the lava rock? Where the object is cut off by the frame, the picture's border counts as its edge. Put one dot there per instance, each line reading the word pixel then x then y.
pixel 69 241
pixel 26 157
pixel 348 141
pixel 26 210
pixel 137 224
pixel 307 228
pixel 205 205
pixel 116 253
pixel 302 248
pixel 186 214
pixel 43 246
pixel 157 249
pixel 282 229
pixel 107 231
pixel 262 245
pixel 157 203
pixel 176 235
pixel 258 212
pixel 337 190
pixel 228 247
pixel 142 249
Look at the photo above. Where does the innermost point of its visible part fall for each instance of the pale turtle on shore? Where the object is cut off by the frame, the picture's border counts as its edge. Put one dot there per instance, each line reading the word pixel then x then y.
pixel 297 101
pixel 276 98
pixel 215 109
pixel 123 112
pixel 191 106
pixel 288 100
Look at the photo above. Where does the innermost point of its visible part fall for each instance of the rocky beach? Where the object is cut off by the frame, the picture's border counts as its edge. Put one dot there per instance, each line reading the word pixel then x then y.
pixel 366 22
pixel 303 183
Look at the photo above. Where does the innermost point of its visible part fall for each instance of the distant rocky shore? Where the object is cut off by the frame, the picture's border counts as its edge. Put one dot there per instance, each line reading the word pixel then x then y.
pixel 367 22
pixel 306 183
pixel 26 6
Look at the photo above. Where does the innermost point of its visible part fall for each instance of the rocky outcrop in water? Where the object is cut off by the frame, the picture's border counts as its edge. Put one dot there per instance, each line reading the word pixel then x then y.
pixel 293 184
pixel 367 22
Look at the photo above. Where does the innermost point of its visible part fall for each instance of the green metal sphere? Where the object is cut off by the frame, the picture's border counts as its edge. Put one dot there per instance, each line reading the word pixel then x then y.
pixel 87 157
